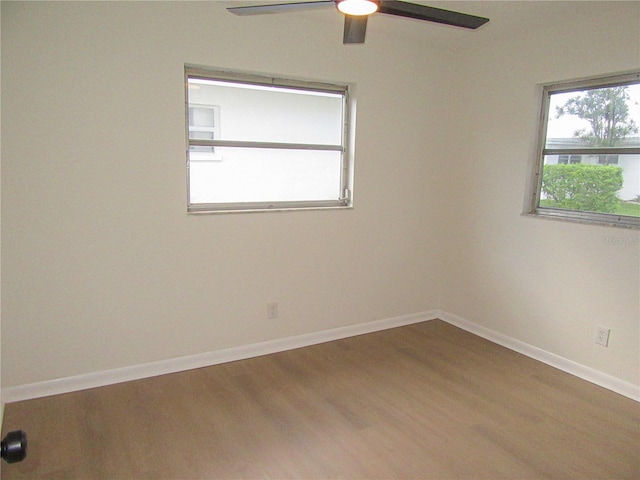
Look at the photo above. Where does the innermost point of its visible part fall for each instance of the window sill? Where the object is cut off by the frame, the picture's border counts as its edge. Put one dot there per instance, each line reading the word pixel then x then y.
pixel 197 212
pixel 602 219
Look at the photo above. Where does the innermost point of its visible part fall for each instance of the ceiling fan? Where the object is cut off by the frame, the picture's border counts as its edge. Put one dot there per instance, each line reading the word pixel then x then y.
pixel 357 11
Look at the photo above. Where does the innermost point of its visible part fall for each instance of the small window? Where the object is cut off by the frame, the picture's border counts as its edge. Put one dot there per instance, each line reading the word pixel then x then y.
pixel 204 124
pixel 260 143
pixel 565 159
pixel 589 154
pixel 608 159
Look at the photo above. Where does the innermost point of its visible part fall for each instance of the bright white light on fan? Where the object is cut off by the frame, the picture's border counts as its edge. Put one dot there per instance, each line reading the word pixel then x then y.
pixel 357 7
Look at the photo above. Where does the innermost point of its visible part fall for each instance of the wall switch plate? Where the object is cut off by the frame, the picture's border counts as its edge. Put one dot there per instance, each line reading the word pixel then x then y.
pixel 602 336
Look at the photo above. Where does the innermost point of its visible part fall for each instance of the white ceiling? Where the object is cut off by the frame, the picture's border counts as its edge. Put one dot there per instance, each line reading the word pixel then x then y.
pixel 506 19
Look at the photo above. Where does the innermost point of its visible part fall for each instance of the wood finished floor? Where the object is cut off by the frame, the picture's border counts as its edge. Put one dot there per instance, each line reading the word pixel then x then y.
pixel 425 401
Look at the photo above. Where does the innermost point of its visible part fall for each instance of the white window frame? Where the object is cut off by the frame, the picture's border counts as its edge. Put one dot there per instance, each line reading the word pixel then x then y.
pixel 534 207
pixel 346 177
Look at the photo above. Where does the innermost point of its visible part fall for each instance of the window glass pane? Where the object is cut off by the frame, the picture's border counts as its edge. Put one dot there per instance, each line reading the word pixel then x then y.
pixel 589 168
pixel 256 113
pixel 266 175
pixel 594 118
pixel 201 117
pixel 201 135
pixel 244 118
pixel 592 186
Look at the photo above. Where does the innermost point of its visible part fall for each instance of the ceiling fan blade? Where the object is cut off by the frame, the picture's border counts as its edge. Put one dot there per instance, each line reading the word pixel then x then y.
pixel 355 29
pixel 431 14
pixel 280 7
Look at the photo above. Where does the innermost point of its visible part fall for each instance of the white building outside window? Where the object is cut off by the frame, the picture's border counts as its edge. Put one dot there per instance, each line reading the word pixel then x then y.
pixel 259 143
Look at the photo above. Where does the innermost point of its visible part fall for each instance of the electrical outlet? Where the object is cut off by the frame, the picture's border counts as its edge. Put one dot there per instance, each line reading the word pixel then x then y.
pixel 602 336
pixel 272 310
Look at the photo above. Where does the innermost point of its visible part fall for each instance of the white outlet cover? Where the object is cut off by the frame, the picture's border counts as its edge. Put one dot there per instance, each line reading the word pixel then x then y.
pixel 602 336
pixel 272 310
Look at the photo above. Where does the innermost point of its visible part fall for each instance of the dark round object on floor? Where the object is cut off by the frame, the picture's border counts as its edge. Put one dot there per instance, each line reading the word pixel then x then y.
pixel 14 446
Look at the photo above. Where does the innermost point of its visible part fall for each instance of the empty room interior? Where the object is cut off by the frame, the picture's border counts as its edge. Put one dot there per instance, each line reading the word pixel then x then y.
pixel 424 322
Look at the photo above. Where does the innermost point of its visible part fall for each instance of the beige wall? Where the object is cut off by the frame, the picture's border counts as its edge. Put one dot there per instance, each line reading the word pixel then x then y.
pixel 102 267
pixel 544 282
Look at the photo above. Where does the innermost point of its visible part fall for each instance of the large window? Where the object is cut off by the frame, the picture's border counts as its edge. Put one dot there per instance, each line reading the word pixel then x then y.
pixel 260 143
pixel 589 154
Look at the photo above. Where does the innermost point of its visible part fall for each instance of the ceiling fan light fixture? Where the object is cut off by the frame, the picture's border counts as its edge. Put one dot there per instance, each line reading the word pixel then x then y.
pixel 357 7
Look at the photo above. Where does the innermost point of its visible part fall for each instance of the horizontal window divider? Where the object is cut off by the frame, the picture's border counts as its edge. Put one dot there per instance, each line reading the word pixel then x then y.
pixel 592 151
pixel 276 145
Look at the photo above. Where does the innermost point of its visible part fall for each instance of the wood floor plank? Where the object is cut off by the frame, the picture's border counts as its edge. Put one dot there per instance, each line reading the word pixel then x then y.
pixel 426 401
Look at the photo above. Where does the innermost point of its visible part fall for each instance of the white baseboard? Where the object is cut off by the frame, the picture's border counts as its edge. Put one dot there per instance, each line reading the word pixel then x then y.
pixel 174 365
pixel 586 373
